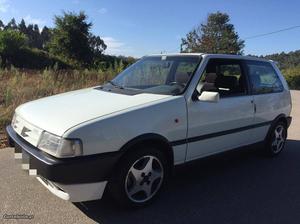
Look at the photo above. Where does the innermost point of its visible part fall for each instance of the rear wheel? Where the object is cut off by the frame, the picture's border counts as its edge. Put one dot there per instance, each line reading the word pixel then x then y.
pixel 140 177
pixel 276 141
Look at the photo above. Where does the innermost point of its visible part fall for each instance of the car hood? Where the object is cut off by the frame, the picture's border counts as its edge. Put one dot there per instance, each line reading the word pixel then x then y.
pixel 56 114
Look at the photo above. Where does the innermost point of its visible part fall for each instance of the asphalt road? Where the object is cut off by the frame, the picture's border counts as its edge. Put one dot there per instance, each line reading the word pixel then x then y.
pixel 239 187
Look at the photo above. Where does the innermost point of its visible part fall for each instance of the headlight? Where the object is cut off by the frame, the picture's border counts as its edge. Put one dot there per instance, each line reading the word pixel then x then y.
pixel 60 147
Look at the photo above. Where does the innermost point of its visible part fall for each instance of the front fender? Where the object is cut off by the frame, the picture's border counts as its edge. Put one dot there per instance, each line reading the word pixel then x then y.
pixel 166 118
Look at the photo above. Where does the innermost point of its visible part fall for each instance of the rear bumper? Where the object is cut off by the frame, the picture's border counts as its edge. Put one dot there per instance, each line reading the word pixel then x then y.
pixel 76 179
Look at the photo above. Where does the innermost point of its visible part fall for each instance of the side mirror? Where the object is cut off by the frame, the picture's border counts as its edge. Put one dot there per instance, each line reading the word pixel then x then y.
pixel 206 96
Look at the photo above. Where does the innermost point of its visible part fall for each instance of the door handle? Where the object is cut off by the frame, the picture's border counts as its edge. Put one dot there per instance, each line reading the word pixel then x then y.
pixel 254 106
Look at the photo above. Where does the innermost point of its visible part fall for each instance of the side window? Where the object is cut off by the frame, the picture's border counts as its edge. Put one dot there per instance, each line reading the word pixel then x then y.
pixel 223 76
pixel 263 78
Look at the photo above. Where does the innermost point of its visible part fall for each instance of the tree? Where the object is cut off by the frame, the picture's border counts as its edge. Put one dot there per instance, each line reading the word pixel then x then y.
pixel 22 27
pixel 37 40
pixel 45 36
pixel 97 44
pixel 72 40
pixel 12 24
pixel 217 35
pixel 11 41
pixel 286 60
pixel 1 25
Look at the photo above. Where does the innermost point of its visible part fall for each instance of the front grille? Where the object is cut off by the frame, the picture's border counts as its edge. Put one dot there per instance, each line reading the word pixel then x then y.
pixel 27 131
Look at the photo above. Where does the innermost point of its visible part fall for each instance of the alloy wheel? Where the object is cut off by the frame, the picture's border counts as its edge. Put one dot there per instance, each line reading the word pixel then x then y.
pixel 144 179
pixel 279 137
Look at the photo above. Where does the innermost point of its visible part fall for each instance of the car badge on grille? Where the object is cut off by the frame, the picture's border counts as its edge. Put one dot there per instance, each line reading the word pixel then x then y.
pixel 24 131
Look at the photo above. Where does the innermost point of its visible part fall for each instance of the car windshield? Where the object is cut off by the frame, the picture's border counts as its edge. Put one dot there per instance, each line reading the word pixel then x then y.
pixel 158 74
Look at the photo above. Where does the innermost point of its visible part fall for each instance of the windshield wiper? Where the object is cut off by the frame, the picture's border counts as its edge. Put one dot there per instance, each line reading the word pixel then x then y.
pixel 115 85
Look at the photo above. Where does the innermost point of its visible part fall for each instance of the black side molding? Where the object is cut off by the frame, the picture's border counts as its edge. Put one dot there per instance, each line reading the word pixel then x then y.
pixel 217 134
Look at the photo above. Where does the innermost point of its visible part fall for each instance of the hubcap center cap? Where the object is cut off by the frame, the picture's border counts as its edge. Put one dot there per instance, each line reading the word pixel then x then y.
pixel 146 178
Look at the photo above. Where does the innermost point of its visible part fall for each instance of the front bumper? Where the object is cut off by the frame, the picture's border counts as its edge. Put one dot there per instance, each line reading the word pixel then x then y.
pixel 75 192
pixel 85 172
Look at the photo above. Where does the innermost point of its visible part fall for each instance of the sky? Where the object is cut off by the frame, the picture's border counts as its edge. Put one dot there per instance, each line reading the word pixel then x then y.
pixel 137 28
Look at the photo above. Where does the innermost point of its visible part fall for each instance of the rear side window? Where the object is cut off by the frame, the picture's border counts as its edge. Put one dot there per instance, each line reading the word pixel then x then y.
pixel 263 77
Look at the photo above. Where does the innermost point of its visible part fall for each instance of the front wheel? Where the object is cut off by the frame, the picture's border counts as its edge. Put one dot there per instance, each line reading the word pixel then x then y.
pixel 140 177
pixel 276 140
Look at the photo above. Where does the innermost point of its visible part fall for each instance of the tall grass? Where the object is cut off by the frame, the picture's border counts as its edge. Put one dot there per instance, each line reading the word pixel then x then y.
pixel 19 86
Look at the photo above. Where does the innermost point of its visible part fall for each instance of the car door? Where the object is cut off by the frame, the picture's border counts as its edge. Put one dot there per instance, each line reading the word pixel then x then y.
pixel 268 95
pixel 215 127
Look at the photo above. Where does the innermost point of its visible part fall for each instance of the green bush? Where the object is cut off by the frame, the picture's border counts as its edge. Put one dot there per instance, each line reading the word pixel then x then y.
pixel 292 76
pixel 36 59
pixel 293 81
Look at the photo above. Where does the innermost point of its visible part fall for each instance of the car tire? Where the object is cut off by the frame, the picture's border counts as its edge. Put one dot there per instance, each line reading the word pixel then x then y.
pixel 276 139
pixel 140 176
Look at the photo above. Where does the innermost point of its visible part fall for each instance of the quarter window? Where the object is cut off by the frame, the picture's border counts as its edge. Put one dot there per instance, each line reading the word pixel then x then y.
pixel 263 77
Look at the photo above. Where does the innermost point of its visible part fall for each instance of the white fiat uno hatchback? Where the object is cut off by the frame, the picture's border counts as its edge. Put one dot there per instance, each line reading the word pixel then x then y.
pixel 125 136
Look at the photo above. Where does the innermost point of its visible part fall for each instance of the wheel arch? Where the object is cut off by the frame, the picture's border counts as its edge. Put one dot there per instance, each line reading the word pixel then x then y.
pixel 280 117
pixel 153 139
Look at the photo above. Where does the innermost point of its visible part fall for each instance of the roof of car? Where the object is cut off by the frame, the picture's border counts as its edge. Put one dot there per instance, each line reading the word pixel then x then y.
pixel 232 56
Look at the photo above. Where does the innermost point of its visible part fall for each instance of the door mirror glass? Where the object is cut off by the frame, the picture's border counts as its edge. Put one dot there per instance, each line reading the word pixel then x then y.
pixel 209 96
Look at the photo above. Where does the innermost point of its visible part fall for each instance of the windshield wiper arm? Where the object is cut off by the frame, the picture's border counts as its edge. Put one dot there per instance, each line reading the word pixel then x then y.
pixel 115 85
